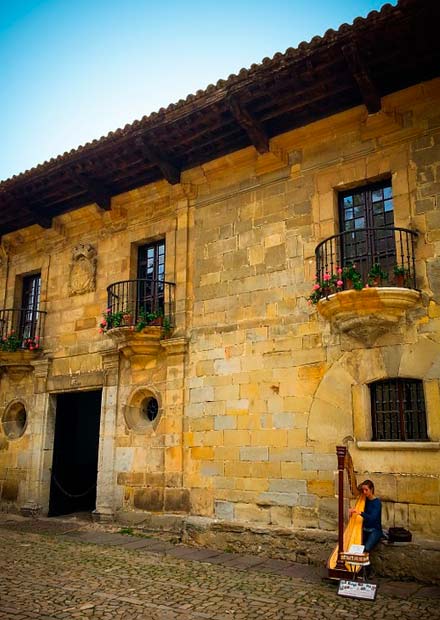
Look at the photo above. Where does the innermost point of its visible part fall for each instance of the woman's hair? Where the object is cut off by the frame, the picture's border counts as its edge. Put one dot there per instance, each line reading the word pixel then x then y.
pixel 367 483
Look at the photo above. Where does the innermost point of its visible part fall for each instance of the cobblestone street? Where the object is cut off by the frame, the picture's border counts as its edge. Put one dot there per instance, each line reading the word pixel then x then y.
pixel 58 569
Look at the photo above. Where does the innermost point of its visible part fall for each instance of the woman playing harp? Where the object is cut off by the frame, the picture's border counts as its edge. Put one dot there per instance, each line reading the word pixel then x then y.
pixel 352 534
pixel 372 516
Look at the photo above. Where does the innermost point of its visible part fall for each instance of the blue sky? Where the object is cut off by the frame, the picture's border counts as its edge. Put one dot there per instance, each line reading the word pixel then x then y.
pixel 73 70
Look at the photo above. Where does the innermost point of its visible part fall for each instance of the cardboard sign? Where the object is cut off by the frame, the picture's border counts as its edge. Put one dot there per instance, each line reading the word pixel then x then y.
pixel 357 589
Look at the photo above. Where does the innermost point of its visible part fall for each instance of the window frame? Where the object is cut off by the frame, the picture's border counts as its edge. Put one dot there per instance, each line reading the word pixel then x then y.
pixel 400 391
pixel 366 244
pixel 30 305
pixel 151 269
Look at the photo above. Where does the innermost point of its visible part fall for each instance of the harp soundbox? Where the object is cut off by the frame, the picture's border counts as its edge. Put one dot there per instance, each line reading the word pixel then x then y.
pixel 351 533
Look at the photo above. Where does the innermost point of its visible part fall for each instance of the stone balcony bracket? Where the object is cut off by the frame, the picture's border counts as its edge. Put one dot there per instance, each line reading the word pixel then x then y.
pixel 369 313
pixel 130 343
pixel 175 346
pixel 17 364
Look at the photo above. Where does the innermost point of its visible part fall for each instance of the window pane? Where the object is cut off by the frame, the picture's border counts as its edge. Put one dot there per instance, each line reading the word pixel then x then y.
pixel 377 208
pixel 378 223
pixel 377 195
pixel 387 192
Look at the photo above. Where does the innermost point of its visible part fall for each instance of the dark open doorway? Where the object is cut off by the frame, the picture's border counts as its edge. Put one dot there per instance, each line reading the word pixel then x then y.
pixel 75 453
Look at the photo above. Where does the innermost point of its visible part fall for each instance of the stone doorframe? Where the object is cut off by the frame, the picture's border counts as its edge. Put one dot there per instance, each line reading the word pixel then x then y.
pixel 43 434
pixel 106 482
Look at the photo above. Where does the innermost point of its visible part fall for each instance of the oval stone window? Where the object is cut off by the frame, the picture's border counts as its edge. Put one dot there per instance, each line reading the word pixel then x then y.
pixel 14 420
pixel 143 410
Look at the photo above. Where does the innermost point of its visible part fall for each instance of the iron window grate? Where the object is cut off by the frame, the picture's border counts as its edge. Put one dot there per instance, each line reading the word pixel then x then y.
pixel 398 410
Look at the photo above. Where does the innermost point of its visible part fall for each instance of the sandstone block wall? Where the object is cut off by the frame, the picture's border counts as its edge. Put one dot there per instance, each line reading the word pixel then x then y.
pixel 255 388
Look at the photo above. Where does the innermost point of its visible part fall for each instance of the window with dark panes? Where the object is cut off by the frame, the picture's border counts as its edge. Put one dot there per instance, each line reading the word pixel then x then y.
pixel 398 410
pixel 151 277
pixel 30 302
pixel 367 217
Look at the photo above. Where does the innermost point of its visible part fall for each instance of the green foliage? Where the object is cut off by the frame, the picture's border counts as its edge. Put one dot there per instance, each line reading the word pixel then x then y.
pixel 123 318
pixel 400 270
pixel 11 342
pixel 126 530
pixel 349 277
pixel 351 274
pixel 330 283
pixel 166 325
pixel 376 271
pixel 110 319
pixel 376 274
pixel 147 318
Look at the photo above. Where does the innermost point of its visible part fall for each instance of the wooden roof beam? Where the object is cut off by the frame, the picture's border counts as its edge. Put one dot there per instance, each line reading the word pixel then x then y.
pixel 45 221
pixel 360 73
pixel 153 156
pixel 20 205
pixel 98 191
pixel 251 126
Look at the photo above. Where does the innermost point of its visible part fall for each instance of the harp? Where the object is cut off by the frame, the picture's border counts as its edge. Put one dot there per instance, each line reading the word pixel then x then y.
pixel 350 533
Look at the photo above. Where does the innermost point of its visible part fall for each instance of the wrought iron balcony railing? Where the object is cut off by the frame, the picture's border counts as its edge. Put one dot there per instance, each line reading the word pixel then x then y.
pixel 21 328
pixel 141 299
pixel 388 252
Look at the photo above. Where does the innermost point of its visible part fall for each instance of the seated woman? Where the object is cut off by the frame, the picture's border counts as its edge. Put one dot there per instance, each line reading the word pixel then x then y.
pixel 372 515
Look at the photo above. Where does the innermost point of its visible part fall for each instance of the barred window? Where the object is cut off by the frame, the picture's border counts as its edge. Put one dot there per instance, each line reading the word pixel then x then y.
pixel 398 410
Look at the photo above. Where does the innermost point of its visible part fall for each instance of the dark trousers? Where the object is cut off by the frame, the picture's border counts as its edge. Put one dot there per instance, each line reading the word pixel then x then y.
pixel 371 537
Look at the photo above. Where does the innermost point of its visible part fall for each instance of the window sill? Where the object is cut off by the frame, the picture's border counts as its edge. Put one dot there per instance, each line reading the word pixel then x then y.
pixel 398 445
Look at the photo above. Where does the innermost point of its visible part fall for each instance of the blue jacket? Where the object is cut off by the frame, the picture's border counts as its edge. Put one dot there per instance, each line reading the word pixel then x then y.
pixel 373 514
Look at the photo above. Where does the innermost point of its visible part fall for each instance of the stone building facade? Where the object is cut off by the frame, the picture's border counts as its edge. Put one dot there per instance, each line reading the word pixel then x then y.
pixel 234 410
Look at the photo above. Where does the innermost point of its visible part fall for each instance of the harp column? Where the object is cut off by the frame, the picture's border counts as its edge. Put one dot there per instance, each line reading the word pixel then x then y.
pixel 341 452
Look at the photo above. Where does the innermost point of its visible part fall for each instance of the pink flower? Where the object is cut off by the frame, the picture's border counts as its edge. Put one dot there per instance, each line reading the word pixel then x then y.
pixel 31 347
pixel 37 346
pixel 339 270
pixel 339 283
pixel 316 287
pixel 327 277
pixel 108 310
pixel 100 330
pixel 37 337
pixel 103 322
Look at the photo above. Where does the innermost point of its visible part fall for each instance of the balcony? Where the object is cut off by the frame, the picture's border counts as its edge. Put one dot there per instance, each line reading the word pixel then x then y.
pixel 366 280
pixel 21 341
pixel 139 314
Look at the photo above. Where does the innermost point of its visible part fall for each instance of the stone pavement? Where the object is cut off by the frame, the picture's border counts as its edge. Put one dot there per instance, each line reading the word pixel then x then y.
pixel 61 569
